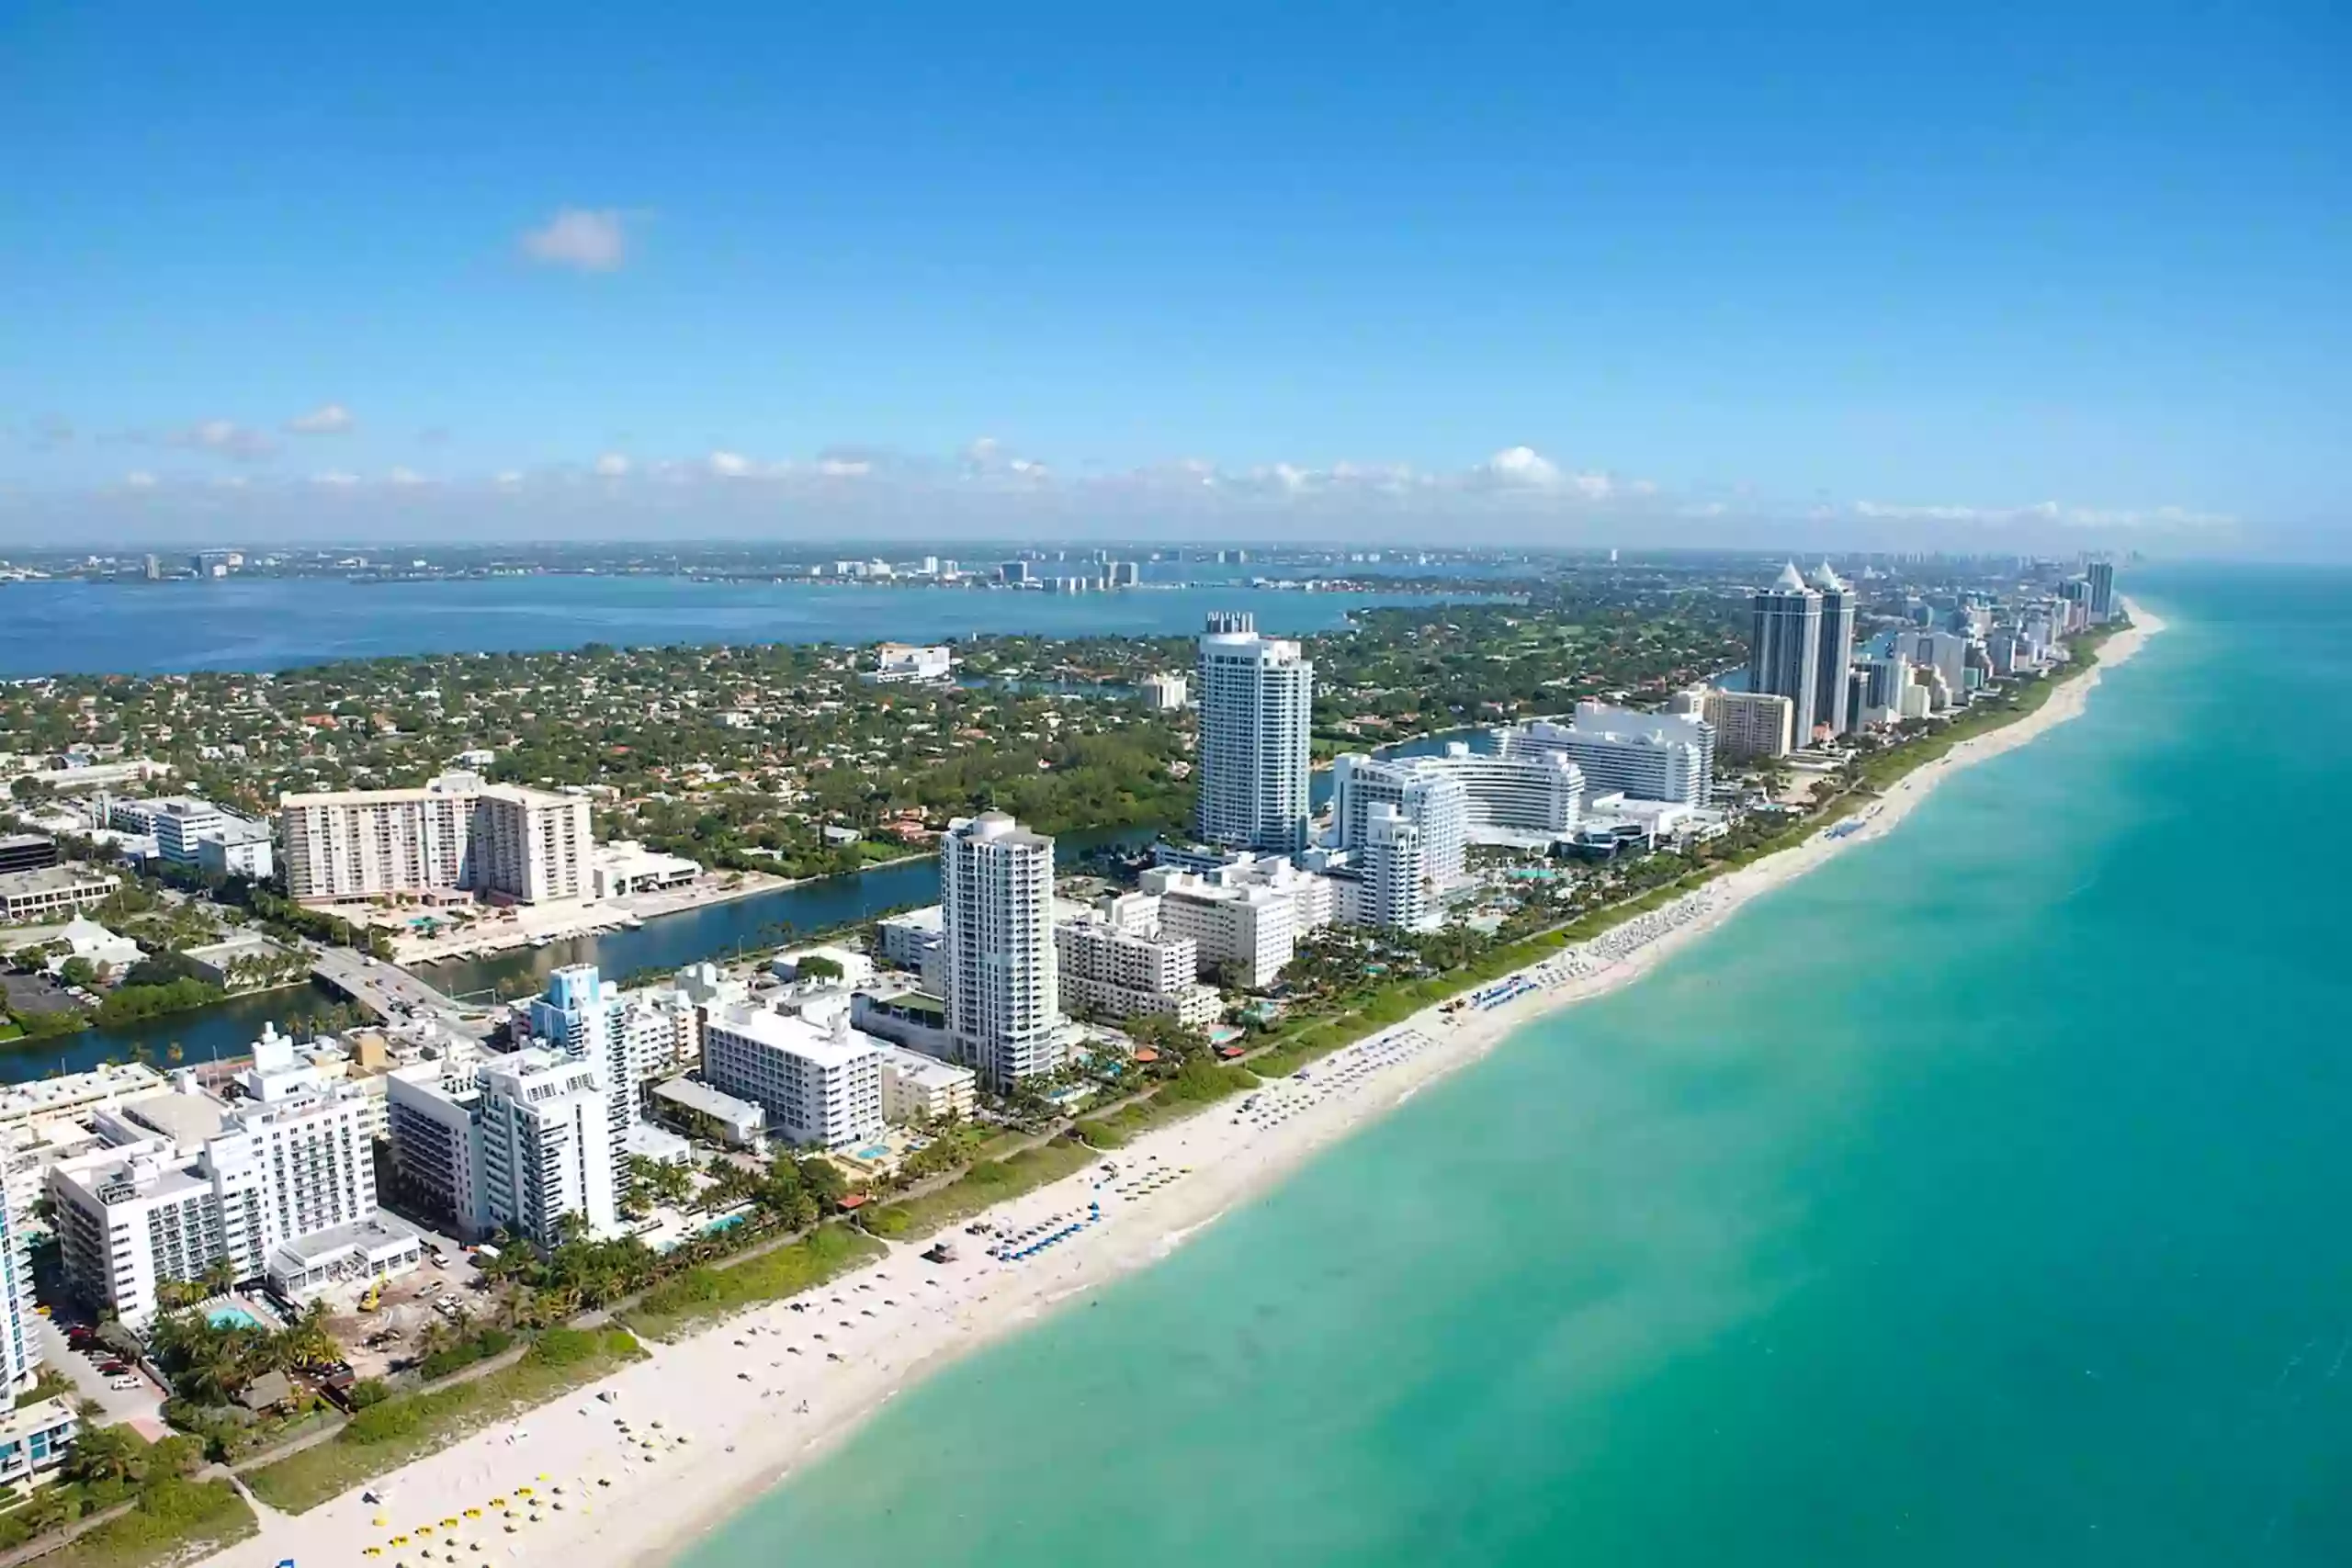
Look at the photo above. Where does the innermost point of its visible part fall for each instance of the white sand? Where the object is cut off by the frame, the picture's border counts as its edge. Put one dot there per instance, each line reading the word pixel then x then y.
pixel 741 1404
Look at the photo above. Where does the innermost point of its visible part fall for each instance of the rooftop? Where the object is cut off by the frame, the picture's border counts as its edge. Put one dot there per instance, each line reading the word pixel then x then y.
pixel 709 1102
pixel 186 1120
pixel 378 1232
pixel 825 1047
pixel 53 879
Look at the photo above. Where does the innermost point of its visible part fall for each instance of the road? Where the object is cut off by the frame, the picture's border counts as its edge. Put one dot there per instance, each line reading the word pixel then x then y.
pixel 383 989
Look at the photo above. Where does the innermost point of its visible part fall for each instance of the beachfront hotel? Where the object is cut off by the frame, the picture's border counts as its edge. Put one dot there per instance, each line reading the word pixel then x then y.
pixel 1646 756
pixel 820 1084
pixel 516 1143
pixel 996 887
pixel 1256 698
pixel 1116 962
pixel 19 1346
pixel 455 833
pixel 190 1181
pixel 1784 646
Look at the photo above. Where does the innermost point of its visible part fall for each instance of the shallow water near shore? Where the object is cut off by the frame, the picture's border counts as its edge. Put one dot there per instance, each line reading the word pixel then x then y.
pixel 1975 1199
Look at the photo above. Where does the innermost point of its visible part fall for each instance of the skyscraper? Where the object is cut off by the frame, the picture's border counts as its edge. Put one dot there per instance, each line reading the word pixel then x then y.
pixel 2102 580
pixel 1836 659
pixel 1785 649
pixel 996 892
pixel 1256 700
pixel 20 1346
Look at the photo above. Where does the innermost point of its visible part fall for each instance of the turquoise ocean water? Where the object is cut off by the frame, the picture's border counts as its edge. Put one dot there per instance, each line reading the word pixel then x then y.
pixel 1980 1199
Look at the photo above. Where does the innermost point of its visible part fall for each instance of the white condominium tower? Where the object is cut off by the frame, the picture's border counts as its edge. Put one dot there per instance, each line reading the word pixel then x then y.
pixel 1400 884
pixel 1835 661
pixel 514 1142
pixel 1257 702
pixel 455 832
pixel 1422 790
pixel 995 890
pixel 19 1345
pixel 1785 649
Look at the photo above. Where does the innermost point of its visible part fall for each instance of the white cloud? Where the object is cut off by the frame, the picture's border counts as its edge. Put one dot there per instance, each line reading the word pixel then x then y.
pixel 508 479
pixel 1522 466
pixel 336 479
pixel 844 467
pixel 584 239
pixel 612 466
pixel 729 465
pixel 227 438
pixel 327 419
pixel 405 477
pixel 140 479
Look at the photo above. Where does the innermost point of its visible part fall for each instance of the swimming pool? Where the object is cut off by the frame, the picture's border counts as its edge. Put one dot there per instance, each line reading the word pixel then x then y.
pixel 231 1317
pixel 872 1152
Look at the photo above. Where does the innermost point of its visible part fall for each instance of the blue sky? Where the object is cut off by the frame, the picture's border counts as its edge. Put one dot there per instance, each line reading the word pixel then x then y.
pixel 2077 269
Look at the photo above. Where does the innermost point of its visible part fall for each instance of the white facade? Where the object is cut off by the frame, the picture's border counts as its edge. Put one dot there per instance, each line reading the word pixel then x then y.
pixel 179 822
pixel 896 662
pixel 1119 964
pixel 1164 691
pixel 911 941
pixel 1400 881
pixel 821 1086
pixel 1425 790
pixel 288 1166
pixel 1246 932
pixel 20 1346
pixel 1257 701
pixel 1651 756
pixel 1750 723
pixel 996 884
pixel 1946 653
pixel 236 847
pixel 454 833
pixel 52 889
pixel 515 1142
pixel 584 1017
pixel 919 1088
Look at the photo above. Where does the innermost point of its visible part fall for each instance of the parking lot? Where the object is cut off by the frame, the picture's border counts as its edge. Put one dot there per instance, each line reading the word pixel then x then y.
pixel 141 1404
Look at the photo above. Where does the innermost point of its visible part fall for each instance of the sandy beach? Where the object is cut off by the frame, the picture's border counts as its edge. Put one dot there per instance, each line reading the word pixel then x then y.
pixel 640 1466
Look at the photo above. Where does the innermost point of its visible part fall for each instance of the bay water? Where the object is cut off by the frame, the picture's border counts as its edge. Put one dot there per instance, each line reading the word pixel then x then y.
pixel 1979 1199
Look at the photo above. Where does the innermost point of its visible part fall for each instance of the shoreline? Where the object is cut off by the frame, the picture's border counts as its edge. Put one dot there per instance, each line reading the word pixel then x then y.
pixel 746 1402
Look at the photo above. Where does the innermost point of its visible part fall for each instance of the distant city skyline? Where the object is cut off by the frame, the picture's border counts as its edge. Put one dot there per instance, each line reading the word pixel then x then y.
pixel 1849 280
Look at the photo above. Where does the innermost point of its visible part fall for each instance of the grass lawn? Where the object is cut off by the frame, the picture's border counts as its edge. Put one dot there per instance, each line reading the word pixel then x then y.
pixel 174 1521
pixel 1196 1089
pixel 385 1437
pixel 988 1181
pixel 704 1296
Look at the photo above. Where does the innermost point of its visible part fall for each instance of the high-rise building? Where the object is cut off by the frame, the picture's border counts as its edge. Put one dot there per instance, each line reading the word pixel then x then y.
pixel 1242 932
pixel 1784 647
pixel 996 886
pixel 19 1344
pixel 1400 884
pixel 289 1164
pixel 1256 700
pixel 1118 963
pixel 455 832
pixel 584 1017
pixel 2102 596
pixel 820 1083
pixel 1750 723
pixel 1947 654
pixel 514 1142
pixel 1422 790
pixel 1164 691
pixel 1646 756
pixel 1836 659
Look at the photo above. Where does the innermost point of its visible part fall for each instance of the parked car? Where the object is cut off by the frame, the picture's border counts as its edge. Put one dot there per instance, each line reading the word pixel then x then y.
pixel 126 1382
